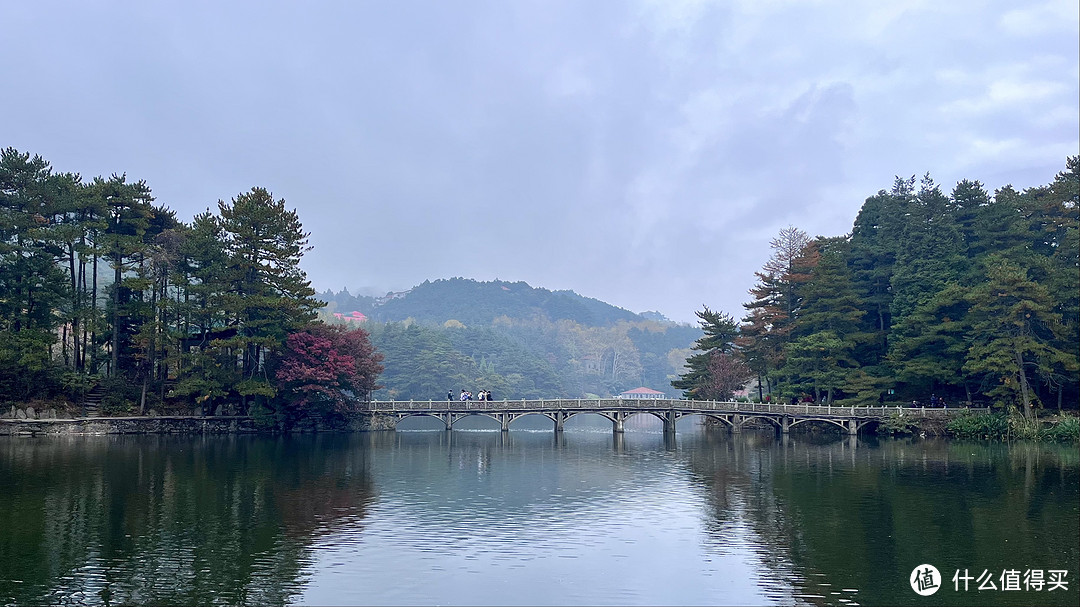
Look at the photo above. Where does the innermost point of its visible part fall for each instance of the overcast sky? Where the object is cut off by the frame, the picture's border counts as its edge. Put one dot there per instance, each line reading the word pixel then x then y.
pixel 643 153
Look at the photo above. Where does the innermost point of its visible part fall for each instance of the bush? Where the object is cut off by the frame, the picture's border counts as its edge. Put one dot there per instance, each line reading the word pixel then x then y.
pixel 1001 426
pixel 897 424
pixel 121 396
pixel 979 426
pixel 1067 429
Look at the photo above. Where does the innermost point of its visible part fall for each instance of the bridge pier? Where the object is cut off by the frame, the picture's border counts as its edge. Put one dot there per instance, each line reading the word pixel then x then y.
pixel 785 425
pixel 504 421
pixel 560 420
pixel 669 422
pixel 852 427
pixel 619 421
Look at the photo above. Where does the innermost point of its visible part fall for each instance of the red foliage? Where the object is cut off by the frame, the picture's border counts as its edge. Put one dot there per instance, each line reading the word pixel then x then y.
pixel 327 366
pixel 727 373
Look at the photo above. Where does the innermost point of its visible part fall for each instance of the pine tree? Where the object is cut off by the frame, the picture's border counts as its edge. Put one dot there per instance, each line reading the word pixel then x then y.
pixel 268 295
pixel 1014 332
pixel 766 328
pixel 930 344
pixel 720 331
pixel 829 304
pixel 931 254
pixel 821 360
pixel 875 240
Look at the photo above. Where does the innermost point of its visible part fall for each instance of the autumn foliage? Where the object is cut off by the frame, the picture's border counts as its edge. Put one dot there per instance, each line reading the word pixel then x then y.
pixel 326 369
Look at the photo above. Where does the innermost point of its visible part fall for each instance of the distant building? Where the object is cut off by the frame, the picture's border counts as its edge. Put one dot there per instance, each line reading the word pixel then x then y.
pixel 590 363
pixel 353 317
pixel 642 393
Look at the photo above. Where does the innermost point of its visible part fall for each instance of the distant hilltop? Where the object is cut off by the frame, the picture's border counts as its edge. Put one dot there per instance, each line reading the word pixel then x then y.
pixel 513 339
pixel 476 303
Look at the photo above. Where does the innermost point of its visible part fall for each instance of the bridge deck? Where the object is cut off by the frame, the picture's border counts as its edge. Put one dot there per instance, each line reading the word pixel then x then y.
pixel 654 405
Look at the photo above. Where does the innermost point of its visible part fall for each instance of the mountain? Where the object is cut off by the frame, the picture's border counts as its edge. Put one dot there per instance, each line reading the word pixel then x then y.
pixel 475 303
pixel 513 339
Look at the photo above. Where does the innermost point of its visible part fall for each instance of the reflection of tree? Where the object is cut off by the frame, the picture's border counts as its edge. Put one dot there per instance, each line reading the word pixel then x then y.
pixel 170 520
pixel 862 518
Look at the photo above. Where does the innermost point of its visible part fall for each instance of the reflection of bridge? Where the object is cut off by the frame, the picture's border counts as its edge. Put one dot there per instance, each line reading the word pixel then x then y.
pixel 386 414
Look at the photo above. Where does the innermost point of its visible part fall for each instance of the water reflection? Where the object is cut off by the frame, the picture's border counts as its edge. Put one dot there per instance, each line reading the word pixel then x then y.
pixel 584 516
pixel 169 519
pixel 849 519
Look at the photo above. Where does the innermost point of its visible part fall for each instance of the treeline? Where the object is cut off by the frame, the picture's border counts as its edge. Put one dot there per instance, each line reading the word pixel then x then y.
pixel 476 303
pixel 102 289
pixel 966 296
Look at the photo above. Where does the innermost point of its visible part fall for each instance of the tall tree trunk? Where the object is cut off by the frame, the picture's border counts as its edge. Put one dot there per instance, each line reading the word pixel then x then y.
pixel 115 354
pixel 93 311
pixel 1022 376
pixel 75 311
pixel 86 325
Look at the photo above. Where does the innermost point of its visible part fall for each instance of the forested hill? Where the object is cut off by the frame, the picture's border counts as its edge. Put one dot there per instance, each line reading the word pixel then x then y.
pixel 475 303
pixel 513 339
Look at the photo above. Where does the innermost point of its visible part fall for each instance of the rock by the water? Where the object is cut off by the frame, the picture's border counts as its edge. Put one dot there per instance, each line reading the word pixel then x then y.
pixel 20 414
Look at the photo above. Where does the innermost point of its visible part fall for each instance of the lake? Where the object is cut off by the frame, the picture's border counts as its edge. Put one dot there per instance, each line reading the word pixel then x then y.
pixel 534 517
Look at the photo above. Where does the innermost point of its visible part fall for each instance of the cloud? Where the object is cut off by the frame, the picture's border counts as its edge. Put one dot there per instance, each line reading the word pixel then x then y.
pixel 583 145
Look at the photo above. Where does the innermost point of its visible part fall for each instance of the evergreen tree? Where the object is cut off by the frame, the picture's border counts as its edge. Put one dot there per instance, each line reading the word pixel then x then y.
pixel 127 213
pixel 930 344
pixel 931 253
pixel 1014 331
pixel 829 304
pixel 268 295
pixel 720 331
pixel 31 283
pixel 822 360
pixel 767 327
pixel 875 240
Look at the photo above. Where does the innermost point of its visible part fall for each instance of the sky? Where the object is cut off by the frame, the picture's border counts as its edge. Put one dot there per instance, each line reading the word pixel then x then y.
pixel 640 152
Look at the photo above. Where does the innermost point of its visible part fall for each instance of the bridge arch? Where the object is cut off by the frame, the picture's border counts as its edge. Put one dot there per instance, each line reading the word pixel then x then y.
pixel 866 422
pixel 775 422
pixel 403 416
pixel 836 422
pixel 516 416
pixel 724 419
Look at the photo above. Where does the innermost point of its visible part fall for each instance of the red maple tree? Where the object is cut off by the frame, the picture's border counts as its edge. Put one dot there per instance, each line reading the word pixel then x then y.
pixel 327 368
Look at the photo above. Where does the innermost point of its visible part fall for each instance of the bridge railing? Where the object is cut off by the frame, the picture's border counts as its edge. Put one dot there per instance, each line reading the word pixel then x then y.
pixel 688 406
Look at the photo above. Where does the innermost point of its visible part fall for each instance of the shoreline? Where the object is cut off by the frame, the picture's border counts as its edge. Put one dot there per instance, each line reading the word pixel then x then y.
pixel 97 426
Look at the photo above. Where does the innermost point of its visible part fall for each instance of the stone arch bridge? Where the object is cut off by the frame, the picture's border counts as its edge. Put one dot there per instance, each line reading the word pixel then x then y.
pixel 386 414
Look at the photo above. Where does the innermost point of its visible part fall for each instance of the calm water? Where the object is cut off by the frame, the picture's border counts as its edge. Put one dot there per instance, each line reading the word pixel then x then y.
pixel 478 517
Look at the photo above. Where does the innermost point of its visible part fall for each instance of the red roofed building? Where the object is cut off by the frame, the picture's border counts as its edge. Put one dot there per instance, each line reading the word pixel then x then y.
pixel 642 393
pixel 354 317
